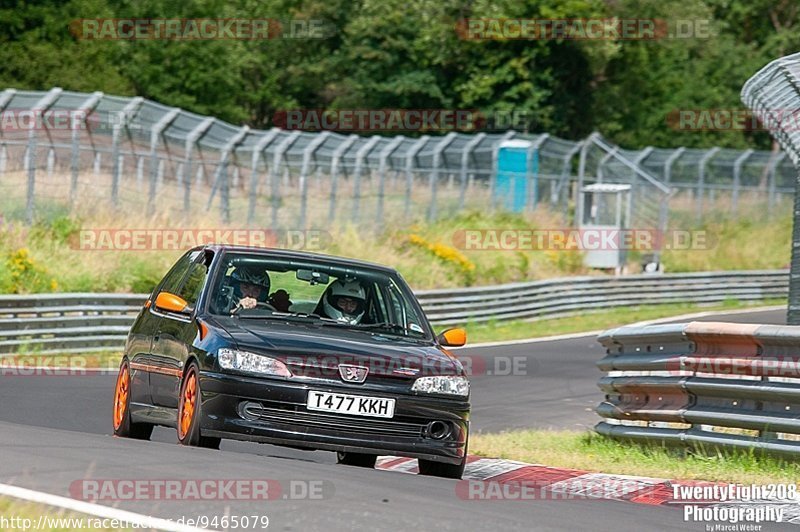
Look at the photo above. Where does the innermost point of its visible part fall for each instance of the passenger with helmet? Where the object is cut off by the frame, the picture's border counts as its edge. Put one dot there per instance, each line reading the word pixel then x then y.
pixel 250 286
pixel 344 300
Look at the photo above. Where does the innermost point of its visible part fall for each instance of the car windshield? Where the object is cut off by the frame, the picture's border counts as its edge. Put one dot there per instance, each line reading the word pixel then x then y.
pixel 257 286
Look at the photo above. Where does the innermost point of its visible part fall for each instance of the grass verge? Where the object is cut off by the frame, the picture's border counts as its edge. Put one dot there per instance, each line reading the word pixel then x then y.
pixel 592 452
pixel 516 330
pixel 24 515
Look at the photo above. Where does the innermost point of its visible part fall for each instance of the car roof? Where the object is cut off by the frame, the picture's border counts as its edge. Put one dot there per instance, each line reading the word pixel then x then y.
pixel 292 254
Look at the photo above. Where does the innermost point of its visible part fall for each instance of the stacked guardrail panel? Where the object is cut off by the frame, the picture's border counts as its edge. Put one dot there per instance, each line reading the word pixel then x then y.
pixel 66 323
pixel 715 384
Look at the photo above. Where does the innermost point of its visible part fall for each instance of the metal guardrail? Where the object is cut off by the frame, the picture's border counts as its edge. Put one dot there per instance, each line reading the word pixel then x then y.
pixel 723 385
pixel 79 323
pixel 572 295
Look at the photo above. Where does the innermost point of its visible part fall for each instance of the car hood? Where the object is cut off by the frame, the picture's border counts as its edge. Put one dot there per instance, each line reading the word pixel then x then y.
pixel 304 347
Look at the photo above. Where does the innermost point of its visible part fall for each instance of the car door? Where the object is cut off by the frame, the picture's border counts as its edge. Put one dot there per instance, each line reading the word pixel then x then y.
pixel 176 332
pixel 144 331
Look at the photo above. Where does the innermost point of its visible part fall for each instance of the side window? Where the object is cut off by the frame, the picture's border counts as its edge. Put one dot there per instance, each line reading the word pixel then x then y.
pixel 173 279
pixel 193 285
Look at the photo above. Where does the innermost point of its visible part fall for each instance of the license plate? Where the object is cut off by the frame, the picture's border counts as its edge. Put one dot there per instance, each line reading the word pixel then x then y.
pixel 356 405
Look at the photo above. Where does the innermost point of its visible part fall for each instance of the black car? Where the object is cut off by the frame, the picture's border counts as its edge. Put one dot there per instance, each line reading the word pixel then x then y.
pixel 295 349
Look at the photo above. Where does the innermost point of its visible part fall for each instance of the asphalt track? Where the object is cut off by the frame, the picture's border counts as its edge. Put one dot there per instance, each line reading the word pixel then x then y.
pixel 56 430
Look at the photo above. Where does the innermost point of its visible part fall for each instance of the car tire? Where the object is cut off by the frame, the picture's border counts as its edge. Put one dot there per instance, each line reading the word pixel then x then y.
pixel 189 412
pixel 121 420
pixel 438 469
pixel 356 459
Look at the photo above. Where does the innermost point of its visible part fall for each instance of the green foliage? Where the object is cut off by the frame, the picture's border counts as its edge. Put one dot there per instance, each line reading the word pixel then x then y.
pixel 408 54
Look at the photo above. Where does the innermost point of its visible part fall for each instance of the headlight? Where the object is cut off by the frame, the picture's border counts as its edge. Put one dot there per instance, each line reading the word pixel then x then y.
pixel 447 384
pixel 252 363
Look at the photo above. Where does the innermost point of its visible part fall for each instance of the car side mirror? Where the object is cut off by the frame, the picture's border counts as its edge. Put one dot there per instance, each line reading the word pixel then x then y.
pixel 172 303
pixel 452 337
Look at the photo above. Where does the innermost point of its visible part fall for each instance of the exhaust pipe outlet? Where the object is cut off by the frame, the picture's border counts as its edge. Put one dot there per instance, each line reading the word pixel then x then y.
pixel 438 430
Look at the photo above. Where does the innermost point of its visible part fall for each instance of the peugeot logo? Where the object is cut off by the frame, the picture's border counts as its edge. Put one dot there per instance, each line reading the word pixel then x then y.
pixel 353 373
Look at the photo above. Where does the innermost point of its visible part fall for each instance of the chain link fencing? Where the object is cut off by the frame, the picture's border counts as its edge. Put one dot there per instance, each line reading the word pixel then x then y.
pixel 96 151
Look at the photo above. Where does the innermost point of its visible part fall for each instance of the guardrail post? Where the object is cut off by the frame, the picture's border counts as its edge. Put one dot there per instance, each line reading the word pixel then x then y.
pixel 276 172
pixel 123 118
pixel 185 172
pixel 155 133
pixel 433 178
pixel 701 180
pixel 362 153
pixel 221 175
pixel 737 179
pixel 411 158
pixel 336 158
pixel 469 147
pixel 258 152
pixel 42 105
pixel 86 107
pixel 386 152
pixel 308 153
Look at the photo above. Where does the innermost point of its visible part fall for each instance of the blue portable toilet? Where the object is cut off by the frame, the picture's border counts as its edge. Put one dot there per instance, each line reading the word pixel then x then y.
pixel 517 162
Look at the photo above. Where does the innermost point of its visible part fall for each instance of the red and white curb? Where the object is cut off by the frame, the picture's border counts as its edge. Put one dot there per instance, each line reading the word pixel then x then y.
pixel 497 479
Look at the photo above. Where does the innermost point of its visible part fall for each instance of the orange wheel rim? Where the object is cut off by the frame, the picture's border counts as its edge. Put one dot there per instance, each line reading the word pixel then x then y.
pixel 121 396
pixel 188 403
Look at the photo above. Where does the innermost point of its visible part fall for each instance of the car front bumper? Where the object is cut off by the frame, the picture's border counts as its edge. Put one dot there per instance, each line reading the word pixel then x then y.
pixel 274 411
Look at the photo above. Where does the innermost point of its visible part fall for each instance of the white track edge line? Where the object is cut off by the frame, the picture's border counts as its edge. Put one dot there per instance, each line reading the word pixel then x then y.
pixel 95 509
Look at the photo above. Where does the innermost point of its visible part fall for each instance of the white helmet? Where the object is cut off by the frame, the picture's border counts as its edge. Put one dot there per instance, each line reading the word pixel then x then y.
pixel 349 289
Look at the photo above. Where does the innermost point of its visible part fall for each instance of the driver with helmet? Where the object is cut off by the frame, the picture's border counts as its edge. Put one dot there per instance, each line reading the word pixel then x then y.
pixel 344 300
pixel 251 286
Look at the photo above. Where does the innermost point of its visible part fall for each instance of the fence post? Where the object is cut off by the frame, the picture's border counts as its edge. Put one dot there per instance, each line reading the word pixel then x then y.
pixel 362 153
pixel 308 153
pixel 563 179
pixel 221 175
pixel 155 133
pixel 276 172
pixel 533 179
pixel 123 119
pixel 42 105
pixel 258 151
pixel 582 176
pixel 87 106
pixel 737 179
pixel 433 178
pixel 701 180
pixel 773 167
pixel 410 160
pixel 386 152
pixel 5 97
pixel 340 150
pixel 465 153
pixel 185 173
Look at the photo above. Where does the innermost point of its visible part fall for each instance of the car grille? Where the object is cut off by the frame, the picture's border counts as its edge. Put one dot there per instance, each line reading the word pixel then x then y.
pixel 339 422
